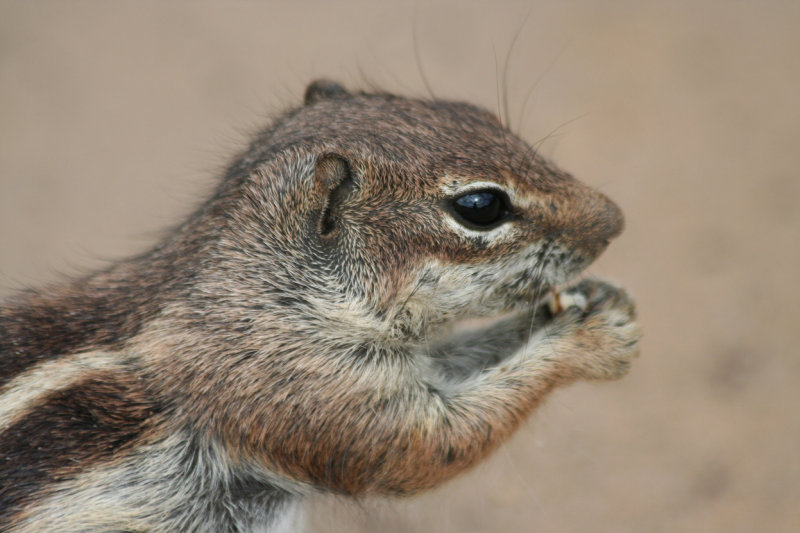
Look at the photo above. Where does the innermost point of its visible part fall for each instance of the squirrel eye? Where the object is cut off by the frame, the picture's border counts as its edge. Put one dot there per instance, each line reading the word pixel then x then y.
pixel 481 209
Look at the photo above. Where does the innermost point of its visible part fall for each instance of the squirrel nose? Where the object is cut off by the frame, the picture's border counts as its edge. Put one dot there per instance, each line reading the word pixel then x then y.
pixel 587 223
pixel 614 220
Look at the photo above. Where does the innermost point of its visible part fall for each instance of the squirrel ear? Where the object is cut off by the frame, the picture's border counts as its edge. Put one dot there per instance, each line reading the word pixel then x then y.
pixel 332 172
pixel 323 90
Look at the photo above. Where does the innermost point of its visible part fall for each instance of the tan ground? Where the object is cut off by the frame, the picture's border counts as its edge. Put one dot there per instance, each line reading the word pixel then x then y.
pixel 115 116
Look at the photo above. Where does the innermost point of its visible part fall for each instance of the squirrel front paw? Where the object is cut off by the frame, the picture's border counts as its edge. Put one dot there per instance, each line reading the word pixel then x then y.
pixel 597 333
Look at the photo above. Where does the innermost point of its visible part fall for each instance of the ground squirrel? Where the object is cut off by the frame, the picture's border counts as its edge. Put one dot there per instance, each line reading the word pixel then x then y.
pixel 360 308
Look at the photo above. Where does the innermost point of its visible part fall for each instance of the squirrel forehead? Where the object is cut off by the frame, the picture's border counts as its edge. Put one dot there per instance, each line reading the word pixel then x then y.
pixel 424 139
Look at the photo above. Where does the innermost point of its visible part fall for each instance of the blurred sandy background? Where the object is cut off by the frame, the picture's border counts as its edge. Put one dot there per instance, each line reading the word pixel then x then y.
pixel 116 116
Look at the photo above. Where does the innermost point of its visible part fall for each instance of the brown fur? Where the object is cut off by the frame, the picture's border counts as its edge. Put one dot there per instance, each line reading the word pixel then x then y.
pixel 287 322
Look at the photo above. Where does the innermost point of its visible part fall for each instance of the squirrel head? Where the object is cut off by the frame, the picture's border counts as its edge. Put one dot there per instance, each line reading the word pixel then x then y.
pixel 385 212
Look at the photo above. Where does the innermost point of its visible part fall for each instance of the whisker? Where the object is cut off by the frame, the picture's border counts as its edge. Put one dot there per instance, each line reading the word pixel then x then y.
pixel 497 86
pixel 526 163
pixel 536 83
pixel 555 130
pixel 418 57
pixel 546 336
pixel 538 292
pixel 410 295
pixel 510 52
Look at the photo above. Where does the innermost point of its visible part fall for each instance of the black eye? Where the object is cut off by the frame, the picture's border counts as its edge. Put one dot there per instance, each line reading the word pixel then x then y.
pixel 481 209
